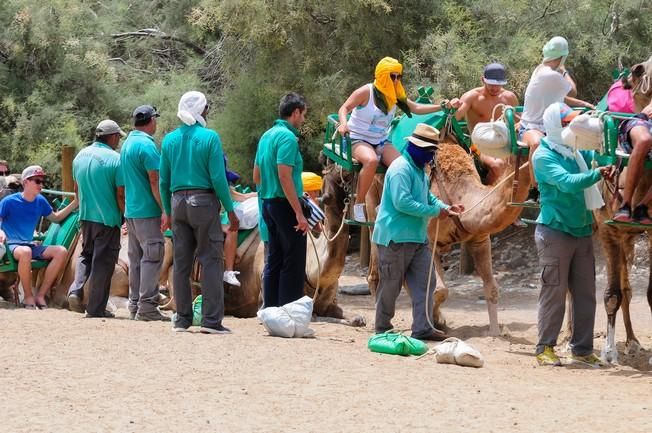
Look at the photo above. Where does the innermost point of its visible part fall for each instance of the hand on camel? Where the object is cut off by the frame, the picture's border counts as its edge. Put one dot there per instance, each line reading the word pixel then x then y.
pixel 454 103
pixel 608 171
pixel 343 129
pixel 453 210
pixel 302 224
pixel 166 222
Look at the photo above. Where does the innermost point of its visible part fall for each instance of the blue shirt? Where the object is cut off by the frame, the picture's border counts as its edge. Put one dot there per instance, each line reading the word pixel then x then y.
pixel 19 216
pixel 406 205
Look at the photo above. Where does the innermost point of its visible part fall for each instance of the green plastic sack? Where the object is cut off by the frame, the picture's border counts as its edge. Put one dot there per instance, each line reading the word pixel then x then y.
pixel 396 344
pixel 196 311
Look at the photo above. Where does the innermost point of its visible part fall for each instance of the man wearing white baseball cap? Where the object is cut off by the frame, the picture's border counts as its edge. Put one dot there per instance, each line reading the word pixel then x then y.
pixel 99 186
pixel 19 215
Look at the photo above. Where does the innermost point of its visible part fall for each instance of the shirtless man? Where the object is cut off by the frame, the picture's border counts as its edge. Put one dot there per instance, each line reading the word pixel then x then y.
pixel 477 104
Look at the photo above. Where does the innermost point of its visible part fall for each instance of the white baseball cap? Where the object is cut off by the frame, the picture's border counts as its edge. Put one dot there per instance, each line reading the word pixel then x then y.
pixel 108 127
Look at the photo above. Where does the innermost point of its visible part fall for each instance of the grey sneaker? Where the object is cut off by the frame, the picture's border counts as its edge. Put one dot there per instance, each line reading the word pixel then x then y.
pixel 132 315
pixel 152 316
pixel 219 329
pixel 75 303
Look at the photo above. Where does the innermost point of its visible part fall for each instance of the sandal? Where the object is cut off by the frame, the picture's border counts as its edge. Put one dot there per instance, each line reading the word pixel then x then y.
pixel 29 306
pixel 42 306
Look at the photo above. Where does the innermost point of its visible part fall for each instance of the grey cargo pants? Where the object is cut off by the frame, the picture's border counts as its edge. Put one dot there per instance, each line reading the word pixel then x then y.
pixel 146 249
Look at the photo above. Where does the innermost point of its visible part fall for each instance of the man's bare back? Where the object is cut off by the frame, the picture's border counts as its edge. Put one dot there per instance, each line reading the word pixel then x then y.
pixel 478 104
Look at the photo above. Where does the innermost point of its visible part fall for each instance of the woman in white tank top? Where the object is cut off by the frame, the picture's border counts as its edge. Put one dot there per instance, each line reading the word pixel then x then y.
pixel 370 121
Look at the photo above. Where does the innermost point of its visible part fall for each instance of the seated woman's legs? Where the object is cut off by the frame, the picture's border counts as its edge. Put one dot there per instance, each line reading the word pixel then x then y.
pixel 389 154
pixel 641 140
pixel 365 154
pixel 230 250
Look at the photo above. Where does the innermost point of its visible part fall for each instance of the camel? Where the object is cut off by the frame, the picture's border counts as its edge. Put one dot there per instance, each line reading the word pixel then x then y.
pixel 618 242
pixel 456 180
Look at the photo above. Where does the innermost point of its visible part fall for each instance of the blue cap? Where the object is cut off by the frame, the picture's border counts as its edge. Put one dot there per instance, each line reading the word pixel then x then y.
pixel 495 74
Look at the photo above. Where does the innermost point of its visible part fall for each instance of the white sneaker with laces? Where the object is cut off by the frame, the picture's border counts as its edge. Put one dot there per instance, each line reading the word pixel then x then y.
pixel 358 213
pixel 230 277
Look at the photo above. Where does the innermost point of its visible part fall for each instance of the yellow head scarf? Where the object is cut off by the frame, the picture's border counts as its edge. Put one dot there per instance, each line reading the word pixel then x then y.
pixel 311 181
pixel 392 90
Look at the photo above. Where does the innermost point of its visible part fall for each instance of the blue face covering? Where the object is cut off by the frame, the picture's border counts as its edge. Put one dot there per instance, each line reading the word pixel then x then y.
pixel 419 155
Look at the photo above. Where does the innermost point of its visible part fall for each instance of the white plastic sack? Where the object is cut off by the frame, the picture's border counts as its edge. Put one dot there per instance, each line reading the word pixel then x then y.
pixel 492 138
pixel 247 213
pixel 290 320
pixel 454 351
pixel 584 133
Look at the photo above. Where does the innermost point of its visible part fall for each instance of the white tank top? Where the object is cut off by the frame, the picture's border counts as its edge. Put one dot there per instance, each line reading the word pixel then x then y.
pixel 369 123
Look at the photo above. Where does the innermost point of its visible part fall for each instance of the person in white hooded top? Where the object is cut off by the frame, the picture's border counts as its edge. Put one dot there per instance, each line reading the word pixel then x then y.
pixel 550 82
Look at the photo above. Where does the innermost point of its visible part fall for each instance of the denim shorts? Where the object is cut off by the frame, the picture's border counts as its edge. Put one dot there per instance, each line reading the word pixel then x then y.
pixel 378 148
pixel 37 250
pixel 623 133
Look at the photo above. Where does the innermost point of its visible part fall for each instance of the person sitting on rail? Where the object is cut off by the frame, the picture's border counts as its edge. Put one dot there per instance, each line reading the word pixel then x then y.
pixel 372 108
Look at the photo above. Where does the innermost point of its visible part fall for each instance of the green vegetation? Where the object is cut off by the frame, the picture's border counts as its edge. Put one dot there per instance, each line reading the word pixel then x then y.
pixel 66 64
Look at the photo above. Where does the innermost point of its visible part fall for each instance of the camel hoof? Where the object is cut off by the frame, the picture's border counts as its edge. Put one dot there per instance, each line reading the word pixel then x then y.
pixel 494 331
pixel 358 321
pixel 609 355
pixel 632 347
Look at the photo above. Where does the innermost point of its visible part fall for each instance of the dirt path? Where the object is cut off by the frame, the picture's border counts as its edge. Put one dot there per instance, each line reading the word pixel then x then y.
pixel 62 373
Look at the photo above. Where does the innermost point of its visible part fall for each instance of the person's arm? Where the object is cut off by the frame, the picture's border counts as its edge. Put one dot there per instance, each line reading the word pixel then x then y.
pixel 164 181
pixel 285 179
pixel 547 170
pixel 418 108
pixel 62 214
pixel 574 102
pixel 401 194
pixel 359 97
pixel 564 73
pixel 3 236
pixel 154 186
pixel 465 103
pixel 240 197
pixel 120 198
pixel 217 172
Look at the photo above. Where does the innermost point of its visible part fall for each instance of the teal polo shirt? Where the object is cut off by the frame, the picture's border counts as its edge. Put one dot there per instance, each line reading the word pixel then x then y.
pixel 278 145
pixel 406 204
pixel 561 191
pixel 192 158
pixel 96 169
pixel 138 156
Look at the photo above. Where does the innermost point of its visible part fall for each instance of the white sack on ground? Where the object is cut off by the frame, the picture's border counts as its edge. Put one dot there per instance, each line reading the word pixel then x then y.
pixel 290 320
pixel 454 351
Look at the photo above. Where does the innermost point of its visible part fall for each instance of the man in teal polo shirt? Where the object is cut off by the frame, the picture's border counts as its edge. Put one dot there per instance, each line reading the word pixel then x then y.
pixel 139 161
pixel 401 234
pixel 277 171
pixel 193 183
pixel 99 188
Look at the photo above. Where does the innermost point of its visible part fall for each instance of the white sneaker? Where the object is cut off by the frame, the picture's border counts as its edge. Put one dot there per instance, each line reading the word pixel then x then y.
pixel 358 213
pixel 230 277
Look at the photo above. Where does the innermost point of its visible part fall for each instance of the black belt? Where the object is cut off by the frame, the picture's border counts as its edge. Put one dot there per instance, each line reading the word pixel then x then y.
pixel 276 200
pixel 193 191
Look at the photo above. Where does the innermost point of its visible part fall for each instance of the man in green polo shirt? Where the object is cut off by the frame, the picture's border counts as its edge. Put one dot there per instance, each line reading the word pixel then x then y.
pixel 193 183
pixel 277 171
pixel 139 162
pixel 99 188
pixel 401 234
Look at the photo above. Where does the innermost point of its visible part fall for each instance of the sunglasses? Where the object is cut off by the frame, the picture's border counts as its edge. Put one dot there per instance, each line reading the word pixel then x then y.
pixel 38 181
pixel 4 173
pixel 395 77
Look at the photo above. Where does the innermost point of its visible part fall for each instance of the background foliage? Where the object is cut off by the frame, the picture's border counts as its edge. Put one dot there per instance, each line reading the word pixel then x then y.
pixel 67 64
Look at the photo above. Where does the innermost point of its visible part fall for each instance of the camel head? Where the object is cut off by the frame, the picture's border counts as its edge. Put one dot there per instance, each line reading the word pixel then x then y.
pixel 640 81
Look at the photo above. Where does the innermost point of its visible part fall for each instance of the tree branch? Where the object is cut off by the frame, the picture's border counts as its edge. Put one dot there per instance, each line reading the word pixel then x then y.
pixel 121 60
pixel 155 33
pixel 545 11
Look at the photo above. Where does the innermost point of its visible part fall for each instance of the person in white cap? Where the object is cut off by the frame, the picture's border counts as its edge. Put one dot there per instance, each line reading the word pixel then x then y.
pixel 550 82
pixel 401 234
pixel 19 215
pixel 193 183
pixel 99 186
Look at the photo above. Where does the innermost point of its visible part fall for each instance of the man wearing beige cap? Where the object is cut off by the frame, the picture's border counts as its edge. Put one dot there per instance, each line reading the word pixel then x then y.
pixel 401 234
pixel 99 187
pixel 19 215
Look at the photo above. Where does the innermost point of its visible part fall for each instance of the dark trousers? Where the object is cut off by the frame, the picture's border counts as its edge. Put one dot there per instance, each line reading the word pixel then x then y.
pixel 196 228
pixel 285 269
pixel 96 263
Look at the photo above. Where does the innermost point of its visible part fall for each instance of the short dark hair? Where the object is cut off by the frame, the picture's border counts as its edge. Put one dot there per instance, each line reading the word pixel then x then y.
pixel 142 122
pixel 289 103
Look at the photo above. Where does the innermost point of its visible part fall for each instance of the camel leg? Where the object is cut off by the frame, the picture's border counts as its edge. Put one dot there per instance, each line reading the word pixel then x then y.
pixel 481 252
pixel 372 201
pixel 326 309
pixel 631 344
pixel 649 284
pixel 612 294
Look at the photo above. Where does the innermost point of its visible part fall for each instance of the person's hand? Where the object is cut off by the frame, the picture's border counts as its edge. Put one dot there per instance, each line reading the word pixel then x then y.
pixel 3 237
pixel 302 224
pixel 607 172
pixel 74 204
pixel 166 222
pixel 589 105
pixel 124 229
pixel 343 129
pixel 234 223
pixel 454 103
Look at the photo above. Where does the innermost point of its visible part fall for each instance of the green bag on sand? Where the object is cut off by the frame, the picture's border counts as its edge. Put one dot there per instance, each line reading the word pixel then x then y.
pixel 394 343
pixel 196 311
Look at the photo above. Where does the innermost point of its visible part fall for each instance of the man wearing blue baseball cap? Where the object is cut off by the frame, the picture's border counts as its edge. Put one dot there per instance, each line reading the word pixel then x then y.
pixel 477 105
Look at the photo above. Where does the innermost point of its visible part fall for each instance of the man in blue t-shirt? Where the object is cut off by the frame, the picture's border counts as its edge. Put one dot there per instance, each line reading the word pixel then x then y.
pixel 19 214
